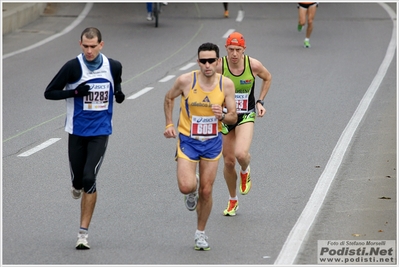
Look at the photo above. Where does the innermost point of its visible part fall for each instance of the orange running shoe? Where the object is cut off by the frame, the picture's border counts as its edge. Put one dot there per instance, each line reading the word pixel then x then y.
pixel 226 14
pixel 246 183
pixel 232 207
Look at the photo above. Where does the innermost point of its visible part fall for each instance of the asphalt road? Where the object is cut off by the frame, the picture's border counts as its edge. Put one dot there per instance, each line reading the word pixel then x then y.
pixel 140 216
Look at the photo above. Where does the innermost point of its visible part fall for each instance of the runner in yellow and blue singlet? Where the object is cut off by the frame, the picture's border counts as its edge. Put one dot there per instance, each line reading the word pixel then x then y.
pixel 203 95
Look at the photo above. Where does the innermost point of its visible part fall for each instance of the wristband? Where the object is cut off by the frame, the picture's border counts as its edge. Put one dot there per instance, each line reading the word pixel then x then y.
pixel 167 126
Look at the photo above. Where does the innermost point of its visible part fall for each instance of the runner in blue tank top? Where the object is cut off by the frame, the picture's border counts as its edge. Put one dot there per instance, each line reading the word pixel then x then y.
pixel 89 84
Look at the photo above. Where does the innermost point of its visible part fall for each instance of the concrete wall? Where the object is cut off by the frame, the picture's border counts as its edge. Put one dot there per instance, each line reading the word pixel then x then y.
pixel 17 15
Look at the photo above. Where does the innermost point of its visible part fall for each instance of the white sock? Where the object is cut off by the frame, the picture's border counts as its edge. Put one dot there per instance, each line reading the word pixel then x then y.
pixel 234 198
pixel 244 172
pixel 306 39
pixel 199 232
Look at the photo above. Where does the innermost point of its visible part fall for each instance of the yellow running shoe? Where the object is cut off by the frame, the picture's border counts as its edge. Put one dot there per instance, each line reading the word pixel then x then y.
pixel 226 14
pixel 232 207
pixel 246 183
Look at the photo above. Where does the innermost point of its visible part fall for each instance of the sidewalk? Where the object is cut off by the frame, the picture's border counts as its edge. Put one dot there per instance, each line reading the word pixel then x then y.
pixel 54 19
pixel 17 15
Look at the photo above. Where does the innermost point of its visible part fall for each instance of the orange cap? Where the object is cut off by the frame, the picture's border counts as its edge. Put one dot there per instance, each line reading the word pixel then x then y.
pixel 235 38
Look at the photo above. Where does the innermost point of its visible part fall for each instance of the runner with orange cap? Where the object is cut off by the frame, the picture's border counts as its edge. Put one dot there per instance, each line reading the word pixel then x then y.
pixel 242 70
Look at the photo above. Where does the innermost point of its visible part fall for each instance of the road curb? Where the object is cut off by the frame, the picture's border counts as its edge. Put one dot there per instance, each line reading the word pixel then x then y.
pixel 17 15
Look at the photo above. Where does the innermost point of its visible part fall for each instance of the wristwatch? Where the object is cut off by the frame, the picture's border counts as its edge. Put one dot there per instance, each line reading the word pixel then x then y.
pixel 223 115
pixel 260 101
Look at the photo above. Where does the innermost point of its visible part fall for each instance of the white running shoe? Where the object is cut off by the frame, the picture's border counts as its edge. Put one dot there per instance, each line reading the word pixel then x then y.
pixel 149 16
pixel 191 200
pixel 76 194
pixel 201 242
pixel 82 242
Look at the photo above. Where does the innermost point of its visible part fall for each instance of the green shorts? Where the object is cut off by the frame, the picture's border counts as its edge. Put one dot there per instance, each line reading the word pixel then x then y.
pixel 242 118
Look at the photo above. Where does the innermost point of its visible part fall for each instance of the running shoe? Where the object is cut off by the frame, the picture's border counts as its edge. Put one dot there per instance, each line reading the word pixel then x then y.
pixel 191 200
pixel 82 242
pixel 232 207
pixel 201 242
pixel 299 27
pixel 76 194
pixel 149 16
pixel 226 14
pixel 306 44
pixel 246 183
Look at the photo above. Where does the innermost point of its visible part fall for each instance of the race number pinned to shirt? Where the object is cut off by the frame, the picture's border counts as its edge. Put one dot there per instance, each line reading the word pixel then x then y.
pixel 241 103
pixel 204 127
pixel 98 99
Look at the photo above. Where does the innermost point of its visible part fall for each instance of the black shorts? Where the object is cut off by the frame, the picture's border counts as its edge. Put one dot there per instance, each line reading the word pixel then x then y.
pixel 242 118
pixel 306 6
pixel 85 158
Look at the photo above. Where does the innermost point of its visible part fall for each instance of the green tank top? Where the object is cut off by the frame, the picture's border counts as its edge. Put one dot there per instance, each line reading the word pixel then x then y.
pixel 244 85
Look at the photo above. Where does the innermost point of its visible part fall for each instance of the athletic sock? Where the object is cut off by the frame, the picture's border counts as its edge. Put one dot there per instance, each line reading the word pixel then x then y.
pixel 244 172
pixel 199 232
pixel 83 230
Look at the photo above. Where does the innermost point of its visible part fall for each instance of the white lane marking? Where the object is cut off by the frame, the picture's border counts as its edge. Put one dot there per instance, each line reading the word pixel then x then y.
pixel 228 33
pixel 147 89
pixel 298 233
pixel 75 23
pixel 189 65
pixel 141 92
pixel 240 16
pixel 39 147
pixel 167 78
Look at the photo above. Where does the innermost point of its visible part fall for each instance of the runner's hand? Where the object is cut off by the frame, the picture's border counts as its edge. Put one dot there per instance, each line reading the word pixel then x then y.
pixel 261 110
pixel 82 90
pixel 119 96
pixel 217 111
pixel 170 132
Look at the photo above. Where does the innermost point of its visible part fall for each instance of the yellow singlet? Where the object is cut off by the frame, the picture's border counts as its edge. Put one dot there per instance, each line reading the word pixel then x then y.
pixel 196 117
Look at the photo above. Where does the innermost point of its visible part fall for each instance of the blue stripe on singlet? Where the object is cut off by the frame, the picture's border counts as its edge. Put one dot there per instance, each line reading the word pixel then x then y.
pixel 194 80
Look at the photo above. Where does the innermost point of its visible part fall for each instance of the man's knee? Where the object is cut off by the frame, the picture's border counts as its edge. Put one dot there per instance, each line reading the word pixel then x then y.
pixel 206 192
pixel 242 155
pixel 185 187
pixel 89 184
pixel 229 162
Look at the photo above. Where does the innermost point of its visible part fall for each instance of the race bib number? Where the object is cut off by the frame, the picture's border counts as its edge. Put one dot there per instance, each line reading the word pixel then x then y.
pixel 204 127
pixel 241 103
pixel 98 99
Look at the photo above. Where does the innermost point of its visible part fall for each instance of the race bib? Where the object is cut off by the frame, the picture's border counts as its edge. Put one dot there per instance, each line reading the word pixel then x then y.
pixel 98 99
pixel 204 127
pixel 241 103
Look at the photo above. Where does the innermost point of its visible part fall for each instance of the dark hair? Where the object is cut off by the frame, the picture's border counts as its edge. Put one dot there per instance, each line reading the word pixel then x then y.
pixel 91 33
pixel 209 47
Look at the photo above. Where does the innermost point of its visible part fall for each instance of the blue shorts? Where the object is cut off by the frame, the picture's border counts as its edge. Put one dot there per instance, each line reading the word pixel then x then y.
pixel 194 150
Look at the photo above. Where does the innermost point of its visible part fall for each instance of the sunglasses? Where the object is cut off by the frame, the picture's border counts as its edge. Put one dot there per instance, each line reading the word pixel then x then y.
pixel 209 60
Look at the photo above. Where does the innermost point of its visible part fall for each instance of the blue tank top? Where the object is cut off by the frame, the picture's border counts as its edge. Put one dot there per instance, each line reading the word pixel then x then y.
pixel 91 115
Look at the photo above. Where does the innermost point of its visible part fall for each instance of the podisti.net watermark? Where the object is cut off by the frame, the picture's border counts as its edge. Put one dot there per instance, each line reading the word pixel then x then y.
pixel 356 252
